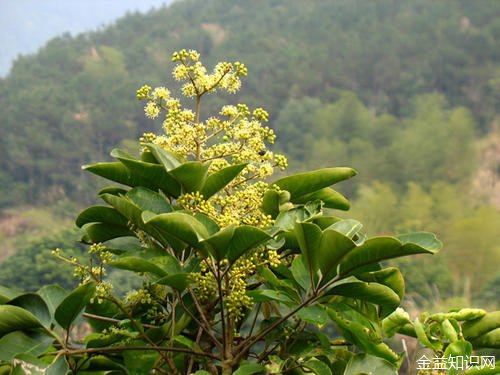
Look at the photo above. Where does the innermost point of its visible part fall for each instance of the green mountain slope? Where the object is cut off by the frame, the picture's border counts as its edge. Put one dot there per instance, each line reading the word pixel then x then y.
pixel 70 103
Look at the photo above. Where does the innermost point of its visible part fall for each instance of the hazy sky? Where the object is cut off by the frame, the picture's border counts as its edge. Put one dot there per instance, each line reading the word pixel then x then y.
pixel 26 25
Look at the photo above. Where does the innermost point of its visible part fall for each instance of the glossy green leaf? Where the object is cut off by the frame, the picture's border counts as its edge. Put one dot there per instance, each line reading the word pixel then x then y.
pixel 100 214
pixel 73 304
pixel 348 227
pixel 309 238
pixel 178 225
pixel 166 158
pixel 249 369
pixel 17 342
pixel 125 206
pixel 475 328
pixel 300 273
pixel 490 339
pixel 317 367
pixel 424 338
pixel 218 180
pixel 333 247
pixel 113 190
pixel 270 203
pixel 35 304
pixel 102 232
pixel 330 198
pixel 191 175
pixel 60 366
pixel 272 281
pixel 395 321
pixel 264 295
pixel 137 264
pixel 377 249
pixel 390 277
pixel 149 200
pixel 53 296
pixel 232 242
pixel 179 281
pixel 140 362
pixel 14 318
pixel 368 364
pixel 6 294
pixel 371 292
pixel 358 330
pixel 310 182
pixel 313 314
pixel 460 348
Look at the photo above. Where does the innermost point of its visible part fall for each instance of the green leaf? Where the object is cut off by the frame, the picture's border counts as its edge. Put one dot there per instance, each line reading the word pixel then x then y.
pixel 309 238
pixel 202 372
pixel 18 342
pixel 13 318
pixel 313 314
pixel 475 328
pixel 73 304
pixel 6 294
pixel 490 339
pixel 390 277
pixel 249 369
pixel 272 281
pixel 100 214
pixel 333 247
pixel 371 292
pixel 310 182
pixel 137 264
pixel 102 232
pixel 133 172
pixel 191 175
pixel 178 225
pixel 369 364
pixel 300 273
pixel 377 249
pixel 218 180
pixel 179 281
pixel 53 296
pixel 166 158
pixel 359 330
pixel 264 295
pixel 139 362
pixel 35 304
pixel 329 197
pixel 459 348
pixel 317 367
pixel 396 321
pixel 424 338
pixel 58 367
pixel 348 227
pixel 149 200
pixel 232 242
pixel 270 203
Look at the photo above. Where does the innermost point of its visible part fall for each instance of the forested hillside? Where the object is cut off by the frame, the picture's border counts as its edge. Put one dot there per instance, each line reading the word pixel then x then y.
pixel 405 92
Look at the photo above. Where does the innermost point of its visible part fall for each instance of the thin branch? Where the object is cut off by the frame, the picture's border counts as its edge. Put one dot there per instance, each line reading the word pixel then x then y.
pixel 111 320
pixel 125 348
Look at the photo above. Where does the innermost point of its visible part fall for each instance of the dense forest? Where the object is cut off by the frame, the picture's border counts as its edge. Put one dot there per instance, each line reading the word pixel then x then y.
pixel 404 92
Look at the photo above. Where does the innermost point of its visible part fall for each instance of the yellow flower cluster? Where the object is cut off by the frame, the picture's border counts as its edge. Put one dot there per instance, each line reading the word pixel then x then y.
pixel 236 136
pixel 138 297
pixel 93 272
pixel 225 75
pixel 236 298
pixel 205 283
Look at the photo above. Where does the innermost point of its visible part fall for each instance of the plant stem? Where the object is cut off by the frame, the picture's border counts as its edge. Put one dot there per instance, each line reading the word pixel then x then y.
pixel 125 348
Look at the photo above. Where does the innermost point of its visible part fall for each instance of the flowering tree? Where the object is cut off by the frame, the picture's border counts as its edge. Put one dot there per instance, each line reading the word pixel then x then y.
pixel 239 275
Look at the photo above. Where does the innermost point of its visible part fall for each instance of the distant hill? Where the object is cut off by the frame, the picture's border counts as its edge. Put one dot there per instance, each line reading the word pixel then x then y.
pixel 73 100
pixel 26 25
